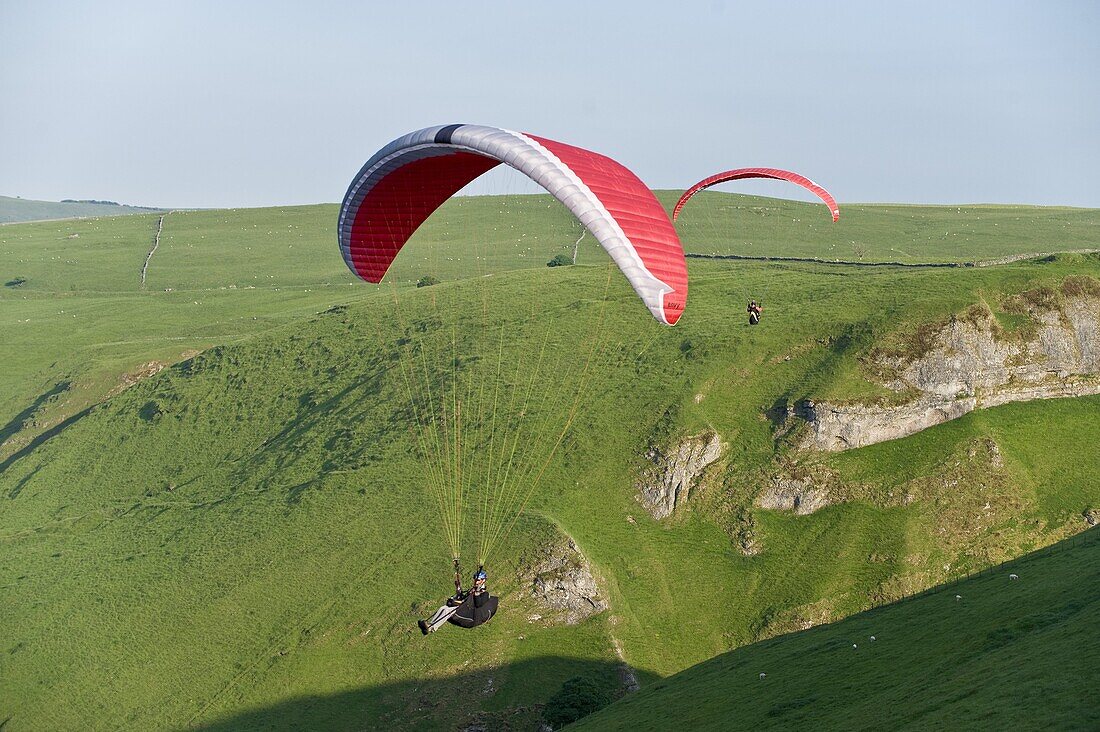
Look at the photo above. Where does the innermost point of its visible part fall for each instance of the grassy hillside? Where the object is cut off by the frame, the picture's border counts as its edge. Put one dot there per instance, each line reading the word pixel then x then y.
pixel 76 314
pixel 987 653
pixel 243 540
pixel 715 222
pixel 22 209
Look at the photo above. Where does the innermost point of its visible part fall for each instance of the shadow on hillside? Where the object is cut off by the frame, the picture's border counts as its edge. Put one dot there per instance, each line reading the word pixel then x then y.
pixel 16 423
pixel 455 702
pixel 345 423
pixel 40 439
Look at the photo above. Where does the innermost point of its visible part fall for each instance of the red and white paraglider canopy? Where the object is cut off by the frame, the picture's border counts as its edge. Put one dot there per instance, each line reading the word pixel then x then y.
pixel 405 181
pixel 772 173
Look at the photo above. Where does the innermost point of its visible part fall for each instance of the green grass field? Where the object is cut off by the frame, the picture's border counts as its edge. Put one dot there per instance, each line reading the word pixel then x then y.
pixel 243 540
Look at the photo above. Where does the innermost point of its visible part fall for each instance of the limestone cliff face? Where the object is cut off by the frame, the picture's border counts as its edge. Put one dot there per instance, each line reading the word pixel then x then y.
pixel 968 359
pixel 673 473
pixel 970 366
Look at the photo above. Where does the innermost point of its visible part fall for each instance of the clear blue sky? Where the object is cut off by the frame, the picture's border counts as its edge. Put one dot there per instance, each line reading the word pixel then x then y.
pixel 243 104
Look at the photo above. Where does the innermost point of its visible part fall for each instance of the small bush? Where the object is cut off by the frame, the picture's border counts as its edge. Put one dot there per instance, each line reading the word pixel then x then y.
pixel 1041 298
pixel 578 697
pixel 1076 286
pixel 560 260
pixel 150 411
pixel 427 281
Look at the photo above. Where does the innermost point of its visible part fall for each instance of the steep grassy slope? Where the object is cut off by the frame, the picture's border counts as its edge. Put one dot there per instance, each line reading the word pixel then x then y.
pixel 243 540
pixel 252 498
pixel 988 653
pixel 23 209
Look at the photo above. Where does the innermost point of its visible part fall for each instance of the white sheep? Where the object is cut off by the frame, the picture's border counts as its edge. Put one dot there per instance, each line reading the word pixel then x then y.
pixel 958 597
pixel 762 674
pixel 872 638
pixel 1014 576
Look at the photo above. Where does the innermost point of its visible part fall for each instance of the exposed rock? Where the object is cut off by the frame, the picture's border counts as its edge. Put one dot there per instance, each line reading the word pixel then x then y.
pixel 1063 387
pixel 749 546
pixel 996 460
pixel 562 582
pixel 628 679
pixel 748 543
pixel 673 474
pixel 836 427
pixel 797 490
pixel 144 371
pixel 970 366
pixel 1091 516
pixel 793 495
pixel 733 513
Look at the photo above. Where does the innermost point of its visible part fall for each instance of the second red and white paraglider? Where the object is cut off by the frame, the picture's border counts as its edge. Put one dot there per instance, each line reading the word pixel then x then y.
pixel 768 173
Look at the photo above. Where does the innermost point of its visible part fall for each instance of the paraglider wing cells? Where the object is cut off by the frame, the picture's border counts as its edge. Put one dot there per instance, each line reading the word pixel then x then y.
pixel 401 201
pixel 404 182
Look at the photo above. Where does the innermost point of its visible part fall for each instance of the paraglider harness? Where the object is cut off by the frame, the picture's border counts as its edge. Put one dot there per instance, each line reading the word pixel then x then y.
pixel 754 311
pixel 466 608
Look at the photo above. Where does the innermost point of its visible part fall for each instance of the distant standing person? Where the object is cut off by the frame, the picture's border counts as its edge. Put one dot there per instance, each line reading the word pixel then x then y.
pixel 754 312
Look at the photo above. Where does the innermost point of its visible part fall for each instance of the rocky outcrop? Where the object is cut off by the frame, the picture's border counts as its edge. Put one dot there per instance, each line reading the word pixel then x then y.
pixel 562 584
pixel 835 427
pixel 628 678
pixel 144 371
pixel 970 365
pixel 967 358
pixel 800 488
pixel 792 494
pixel 668 482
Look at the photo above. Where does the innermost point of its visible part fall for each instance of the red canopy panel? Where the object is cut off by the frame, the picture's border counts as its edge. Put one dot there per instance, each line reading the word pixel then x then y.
pixel 404 182
pixel 401 201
